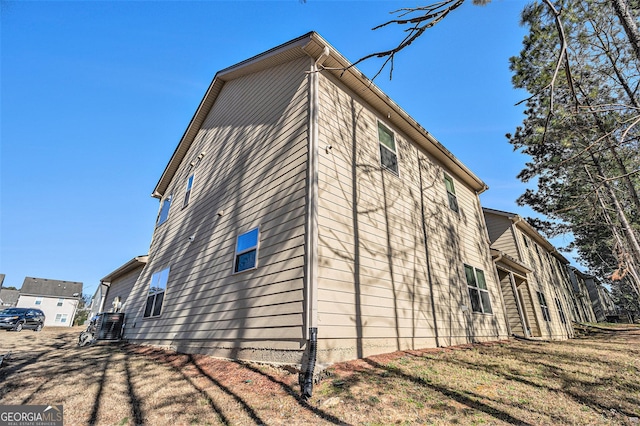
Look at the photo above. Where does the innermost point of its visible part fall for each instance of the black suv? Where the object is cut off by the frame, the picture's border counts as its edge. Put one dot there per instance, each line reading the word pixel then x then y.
pixel 18 318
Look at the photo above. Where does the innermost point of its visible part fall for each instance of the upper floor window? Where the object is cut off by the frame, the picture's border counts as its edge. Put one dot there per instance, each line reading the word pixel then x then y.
pixel 60 301
pixel 451 193
pixel 526 240
pixel 478 291
pixel 388 151
pixel 157 287
pixel 187 192
pixel 38 300
pixel 544 306
pixel 246 256
pixel 164 211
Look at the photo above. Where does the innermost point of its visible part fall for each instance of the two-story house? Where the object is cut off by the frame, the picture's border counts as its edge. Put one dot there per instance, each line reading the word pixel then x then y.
pixel 57 299
pixel 533 276
pixel 304 215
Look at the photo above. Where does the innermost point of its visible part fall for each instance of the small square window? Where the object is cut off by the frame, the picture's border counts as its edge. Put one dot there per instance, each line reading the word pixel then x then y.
pixel 60 302
pixel 388 151
pixel 246 251
pixel 451 193
pixel 164 211
pixel 187 193
pixel 38 300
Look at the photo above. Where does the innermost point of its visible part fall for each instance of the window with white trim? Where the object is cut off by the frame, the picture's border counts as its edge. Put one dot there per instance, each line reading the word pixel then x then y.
pixel 543 306
pixel 155 297
pixel 451 193
pixel 61 319
pixel 38 301
pixel 187 193
pixel 60 301
pixel 246 256
pixel 478 291
pixel 164 211
pixel 388 151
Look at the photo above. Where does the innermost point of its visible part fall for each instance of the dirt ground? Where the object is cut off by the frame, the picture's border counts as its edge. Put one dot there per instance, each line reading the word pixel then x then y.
pixel 594 379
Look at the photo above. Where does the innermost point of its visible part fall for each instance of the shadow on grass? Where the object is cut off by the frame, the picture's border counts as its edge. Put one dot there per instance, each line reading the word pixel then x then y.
pixel 450 393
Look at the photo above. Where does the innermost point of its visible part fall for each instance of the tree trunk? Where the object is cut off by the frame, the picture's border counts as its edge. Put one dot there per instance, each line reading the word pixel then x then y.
pixel 628 22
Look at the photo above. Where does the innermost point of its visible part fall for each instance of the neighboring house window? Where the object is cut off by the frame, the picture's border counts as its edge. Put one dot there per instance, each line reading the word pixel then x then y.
pixel 157 288
pixel 187 193
pixel 544 307
pixel 60 301
pixel 38 300
pixel 164 211
pixel 451 193
pixel 478 291
pixel 246 251
pixel 563 319
pixel 61 318
pixel 388 151
pixel 526 241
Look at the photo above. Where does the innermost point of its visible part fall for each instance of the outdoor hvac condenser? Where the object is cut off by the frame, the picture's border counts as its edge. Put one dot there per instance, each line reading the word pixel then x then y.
pixel 110 327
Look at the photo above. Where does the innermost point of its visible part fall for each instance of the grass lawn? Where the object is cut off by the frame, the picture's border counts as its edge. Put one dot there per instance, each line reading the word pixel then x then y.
pixel 590 380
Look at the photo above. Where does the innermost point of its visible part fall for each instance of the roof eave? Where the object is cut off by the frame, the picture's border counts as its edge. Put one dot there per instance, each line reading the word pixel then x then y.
pixel 136 262
pixel 313 45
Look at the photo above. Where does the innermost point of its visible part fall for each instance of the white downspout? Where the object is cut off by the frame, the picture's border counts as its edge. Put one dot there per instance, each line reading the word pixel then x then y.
pixel 312 196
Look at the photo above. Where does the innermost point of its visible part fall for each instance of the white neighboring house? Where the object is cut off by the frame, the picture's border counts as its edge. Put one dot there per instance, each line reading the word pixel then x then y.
pixel 57 299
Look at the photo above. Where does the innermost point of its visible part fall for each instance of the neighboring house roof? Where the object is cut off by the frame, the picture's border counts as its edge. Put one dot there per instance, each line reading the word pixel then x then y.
pixel 50 288
pixel 9 297
pixel 314 46
pixel 526 227
pixel 136 262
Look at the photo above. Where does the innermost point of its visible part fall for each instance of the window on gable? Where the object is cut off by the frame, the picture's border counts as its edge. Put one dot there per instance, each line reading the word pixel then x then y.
pixel 60 301
pixel 157 288
pixel 246 251
pixel 38 300
pixel 526 240
pixel 164 211
pixel 187 193
pixel 478 292
pixel 544 306
pixel 451 193
pixel 388 151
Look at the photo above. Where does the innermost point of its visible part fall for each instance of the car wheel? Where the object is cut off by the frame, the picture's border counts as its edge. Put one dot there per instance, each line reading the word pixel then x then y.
pixel 18 327
pixel 38 328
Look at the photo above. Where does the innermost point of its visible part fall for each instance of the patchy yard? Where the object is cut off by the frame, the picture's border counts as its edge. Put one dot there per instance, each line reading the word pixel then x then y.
pixel 594 379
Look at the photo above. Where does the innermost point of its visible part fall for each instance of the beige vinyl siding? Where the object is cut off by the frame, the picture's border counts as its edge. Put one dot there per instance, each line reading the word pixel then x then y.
pixel 501 234
pixel 510 303
pixel 374 292
pixel 252 174
pixel 121 287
